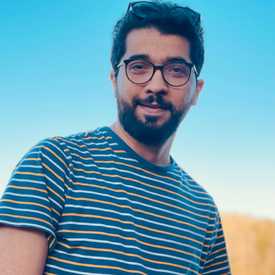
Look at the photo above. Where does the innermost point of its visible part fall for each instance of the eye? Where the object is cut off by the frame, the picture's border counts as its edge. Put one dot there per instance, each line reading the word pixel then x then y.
pixel 139 67
pixel 177 70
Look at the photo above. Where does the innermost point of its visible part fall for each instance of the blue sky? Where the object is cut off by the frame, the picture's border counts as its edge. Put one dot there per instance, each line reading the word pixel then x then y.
pixel 54 80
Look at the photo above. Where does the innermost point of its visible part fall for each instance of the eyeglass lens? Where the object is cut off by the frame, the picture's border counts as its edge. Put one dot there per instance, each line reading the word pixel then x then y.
pixel 174 73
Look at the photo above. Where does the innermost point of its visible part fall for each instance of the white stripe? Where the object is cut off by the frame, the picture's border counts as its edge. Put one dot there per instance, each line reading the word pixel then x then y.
pixel 116 157
pixel 30 166
pixel 61 170
pixel 141 219
pixel 25 209
pixel 50 142
pixel 30 210
pixel 104 155
pixel 113 144
pixel 129 231
pixel 149 204
pixel 26 196
pixel 133 247
pixel 28 225
pixel 71 270
pixel 202 209
pixel 56 203
pixel 216 270
pixel 55 184
pixel 27 181
pixel 118 260
pixel 150 178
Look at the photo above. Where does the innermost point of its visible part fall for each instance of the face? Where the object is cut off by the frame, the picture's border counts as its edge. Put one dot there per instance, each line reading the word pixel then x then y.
pixel 151 112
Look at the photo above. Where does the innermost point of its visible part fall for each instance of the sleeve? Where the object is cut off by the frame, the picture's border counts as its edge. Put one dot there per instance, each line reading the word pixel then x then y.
pixel 35 194
pixel 216 261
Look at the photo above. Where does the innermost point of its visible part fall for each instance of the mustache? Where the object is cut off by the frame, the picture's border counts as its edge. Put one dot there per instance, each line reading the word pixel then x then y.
pixel 154 100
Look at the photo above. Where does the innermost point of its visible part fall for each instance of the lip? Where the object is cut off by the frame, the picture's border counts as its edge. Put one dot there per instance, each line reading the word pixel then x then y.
pixel 151 109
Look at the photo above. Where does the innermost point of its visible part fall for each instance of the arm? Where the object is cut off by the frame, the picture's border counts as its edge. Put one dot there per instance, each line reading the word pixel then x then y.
pixel 22 251
pixel 217 262
pixel 30 209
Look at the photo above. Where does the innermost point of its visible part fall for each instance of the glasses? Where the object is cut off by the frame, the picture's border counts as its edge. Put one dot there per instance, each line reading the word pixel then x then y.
pixel 144 9
pixel 174 73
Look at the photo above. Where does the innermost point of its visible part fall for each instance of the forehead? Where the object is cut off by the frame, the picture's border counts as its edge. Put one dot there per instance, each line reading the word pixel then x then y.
pixel 159 47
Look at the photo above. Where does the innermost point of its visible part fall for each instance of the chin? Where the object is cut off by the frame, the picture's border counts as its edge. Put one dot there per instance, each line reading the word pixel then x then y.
pixel 153 120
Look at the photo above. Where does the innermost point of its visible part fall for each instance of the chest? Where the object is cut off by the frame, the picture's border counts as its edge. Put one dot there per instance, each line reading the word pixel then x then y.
pixel 123 220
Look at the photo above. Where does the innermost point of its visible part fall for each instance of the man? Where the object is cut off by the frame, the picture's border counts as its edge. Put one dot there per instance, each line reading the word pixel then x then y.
pixel 113 201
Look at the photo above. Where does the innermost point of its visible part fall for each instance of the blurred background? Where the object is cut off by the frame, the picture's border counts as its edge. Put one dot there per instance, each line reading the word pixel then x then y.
pixel 54 80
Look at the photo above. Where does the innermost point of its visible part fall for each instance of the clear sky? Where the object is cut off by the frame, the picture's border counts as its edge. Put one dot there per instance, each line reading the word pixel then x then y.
pixel 54 80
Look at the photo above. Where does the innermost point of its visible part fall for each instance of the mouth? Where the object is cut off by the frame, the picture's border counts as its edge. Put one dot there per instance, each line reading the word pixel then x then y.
pixel 152 105
pixel 152 109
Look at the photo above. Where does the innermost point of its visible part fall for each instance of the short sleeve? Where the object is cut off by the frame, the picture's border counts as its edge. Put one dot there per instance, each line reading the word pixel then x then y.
pixel 216 261
pixel 36 192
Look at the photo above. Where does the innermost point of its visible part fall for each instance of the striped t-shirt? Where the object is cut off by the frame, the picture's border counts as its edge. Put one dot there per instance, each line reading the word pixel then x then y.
pixel 106 210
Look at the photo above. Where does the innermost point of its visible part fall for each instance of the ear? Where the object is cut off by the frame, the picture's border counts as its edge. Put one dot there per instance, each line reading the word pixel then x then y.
pixel 113 79
pixel 199 86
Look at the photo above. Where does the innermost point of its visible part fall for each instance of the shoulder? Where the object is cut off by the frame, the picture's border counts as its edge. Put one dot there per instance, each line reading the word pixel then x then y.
pixel 79 140
pixel 196 191
pixel 65 148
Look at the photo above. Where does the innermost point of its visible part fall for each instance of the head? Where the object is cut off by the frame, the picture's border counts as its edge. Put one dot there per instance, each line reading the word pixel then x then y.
pixel 159 33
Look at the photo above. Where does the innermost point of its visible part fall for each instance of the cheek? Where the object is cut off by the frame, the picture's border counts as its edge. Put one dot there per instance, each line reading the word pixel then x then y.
pixel 121 88
pixel 183 98
pixel 125 89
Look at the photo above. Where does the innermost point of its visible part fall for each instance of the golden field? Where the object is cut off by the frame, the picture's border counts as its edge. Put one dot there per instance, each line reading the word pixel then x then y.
pixel 250 244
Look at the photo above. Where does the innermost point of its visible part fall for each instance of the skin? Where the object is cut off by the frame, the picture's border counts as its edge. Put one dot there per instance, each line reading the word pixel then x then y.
pixel 159 48
pixel 19 247
pixel 22 251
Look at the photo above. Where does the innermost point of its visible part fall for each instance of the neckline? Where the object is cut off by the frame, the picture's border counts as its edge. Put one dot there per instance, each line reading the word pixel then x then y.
pixel 143 162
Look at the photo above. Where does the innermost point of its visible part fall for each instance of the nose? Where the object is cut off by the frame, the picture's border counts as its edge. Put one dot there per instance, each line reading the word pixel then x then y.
pixel 157 84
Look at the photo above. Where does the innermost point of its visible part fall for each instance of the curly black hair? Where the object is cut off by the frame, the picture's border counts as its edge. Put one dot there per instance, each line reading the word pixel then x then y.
pixel 168 18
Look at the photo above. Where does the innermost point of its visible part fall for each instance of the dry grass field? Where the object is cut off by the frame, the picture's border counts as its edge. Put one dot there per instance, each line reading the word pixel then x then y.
pixel 251 244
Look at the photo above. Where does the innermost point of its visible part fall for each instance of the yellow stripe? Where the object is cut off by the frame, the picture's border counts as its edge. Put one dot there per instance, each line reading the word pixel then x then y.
pixel 218 250
pixel 140 182
pixel 119 151
pixel 137 168
pixel 55 211
pixel 97 266
pixel 26 203
pixel 134 224
pixel 97 138
pixel 62 199
pixel 56 175
pixel 27 188
pixel 121 253
pixel 106 149
pixel 29 173
pixel 26 217
pixel 55 155
pixel 100 149
pixel 131 239
pixel 33 159
pixel 143 197
pixel 214 264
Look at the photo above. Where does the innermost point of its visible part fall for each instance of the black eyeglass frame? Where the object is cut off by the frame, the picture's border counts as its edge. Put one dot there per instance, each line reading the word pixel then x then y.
pixel 158 67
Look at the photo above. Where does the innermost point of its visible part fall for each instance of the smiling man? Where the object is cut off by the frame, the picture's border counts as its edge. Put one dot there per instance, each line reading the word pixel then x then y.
pixel 113 201
pixel 153 99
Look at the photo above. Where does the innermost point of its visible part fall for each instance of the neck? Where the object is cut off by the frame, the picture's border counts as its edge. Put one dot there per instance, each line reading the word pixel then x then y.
pixel 158 154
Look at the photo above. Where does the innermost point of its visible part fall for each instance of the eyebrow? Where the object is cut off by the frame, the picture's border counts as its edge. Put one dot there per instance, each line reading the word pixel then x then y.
pixel 139 56
pixel 168 59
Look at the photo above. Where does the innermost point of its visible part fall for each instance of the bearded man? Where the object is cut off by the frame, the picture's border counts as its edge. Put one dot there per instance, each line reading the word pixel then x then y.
pixel 113 200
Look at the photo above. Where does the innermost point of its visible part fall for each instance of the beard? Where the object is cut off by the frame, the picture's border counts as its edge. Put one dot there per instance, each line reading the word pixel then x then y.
pixel 149 132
